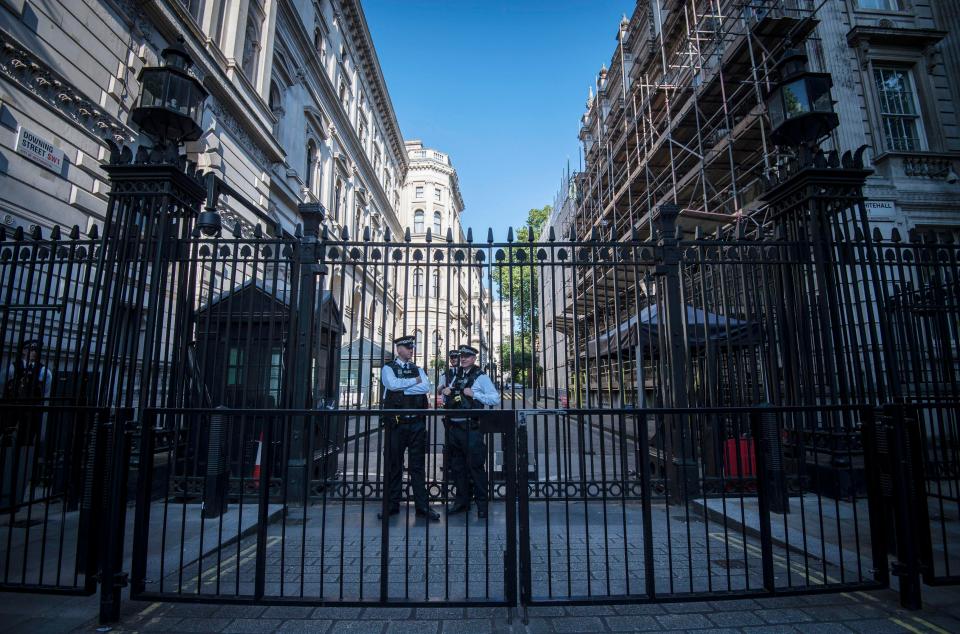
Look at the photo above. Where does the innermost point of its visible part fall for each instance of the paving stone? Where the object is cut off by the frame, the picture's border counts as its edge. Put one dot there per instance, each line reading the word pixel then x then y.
pixel 336 613
pixel 684 621
pixel 735 605
pixel 185 610
pixel 770 629
pixel 485 612
pixel 545 610
pixel 317 626
pixel 639 608
pixel 387 613
pixel 825 628
pixel 537 626
pixel 467 626
pixel 439 613
pixel 253 625
pixel 239 611
pixel 50 625
pixel 734 619
pixel 357 627
pixel 830 613
pixel 632 623
pixel 201 624
pixel 288 612
pixel 590 610
pixel 687 607
pixel 578 624
pixel 158 623
pixel 413 627
pixel 783 615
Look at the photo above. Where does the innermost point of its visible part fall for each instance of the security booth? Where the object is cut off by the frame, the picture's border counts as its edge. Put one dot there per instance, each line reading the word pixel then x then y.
pixel 242 342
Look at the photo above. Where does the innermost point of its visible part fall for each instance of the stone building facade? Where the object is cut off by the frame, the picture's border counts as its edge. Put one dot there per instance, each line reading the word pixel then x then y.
pixel 298 111
pixel 446 305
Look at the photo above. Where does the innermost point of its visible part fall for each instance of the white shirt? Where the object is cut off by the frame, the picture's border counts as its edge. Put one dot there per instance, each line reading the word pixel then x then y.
pixel 410 386
pixel 484 391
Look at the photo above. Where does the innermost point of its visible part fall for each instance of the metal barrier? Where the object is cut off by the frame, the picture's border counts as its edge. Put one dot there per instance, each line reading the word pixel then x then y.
pixel 324 543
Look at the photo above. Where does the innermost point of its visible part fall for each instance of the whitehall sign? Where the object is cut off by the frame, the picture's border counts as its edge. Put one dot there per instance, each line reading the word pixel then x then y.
pixel 39 150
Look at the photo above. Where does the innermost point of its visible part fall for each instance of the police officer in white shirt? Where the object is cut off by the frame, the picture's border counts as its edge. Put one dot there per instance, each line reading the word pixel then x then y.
pixel 470 389
pixel 405 386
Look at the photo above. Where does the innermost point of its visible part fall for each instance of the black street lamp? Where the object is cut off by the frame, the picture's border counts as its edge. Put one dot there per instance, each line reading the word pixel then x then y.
pixel 799 105
pixel 170 107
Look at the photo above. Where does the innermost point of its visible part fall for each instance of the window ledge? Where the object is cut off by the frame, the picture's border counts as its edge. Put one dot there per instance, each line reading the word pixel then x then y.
pixel 892 35
pixel 922 165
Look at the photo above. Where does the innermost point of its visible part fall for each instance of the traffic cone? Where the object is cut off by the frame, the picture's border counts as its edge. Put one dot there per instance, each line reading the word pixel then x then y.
pixel 256 465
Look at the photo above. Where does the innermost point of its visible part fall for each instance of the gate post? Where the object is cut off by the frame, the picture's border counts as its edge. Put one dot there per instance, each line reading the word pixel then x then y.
pixel 898 456
pixel 112 576
pixel 299 379
pixel 683 467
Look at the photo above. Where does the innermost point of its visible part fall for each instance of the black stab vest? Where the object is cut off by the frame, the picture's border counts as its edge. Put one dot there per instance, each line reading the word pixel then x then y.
pixel 396 399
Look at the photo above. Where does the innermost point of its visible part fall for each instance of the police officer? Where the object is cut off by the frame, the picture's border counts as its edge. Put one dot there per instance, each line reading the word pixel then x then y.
pixel 453 367
pixel 405 386
pixel 470 388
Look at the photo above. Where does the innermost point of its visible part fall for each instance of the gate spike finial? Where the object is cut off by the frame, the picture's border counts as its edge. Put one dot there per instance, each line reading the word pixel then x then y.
pixel 258 231
pixel 489 235
pixel 895 235
pixel 551 235
pixel 344 233
pixel 406 235
pixel 387 235
pixel 469 235
pixel 35 232
pixel 429 234
pixel 298 231
pixel 55 233
pixel 530 235
pixel 237 229
pixel 324 233
pixel 594 234
pixel 509 234
pixel 449 234
pixel 366 234
pixel 94 232
pixel 75 232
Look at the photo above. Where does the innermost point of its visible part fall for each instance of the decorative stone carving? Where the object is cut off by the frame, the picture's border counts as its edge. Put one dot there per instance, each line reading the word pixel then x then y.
pixel 236 130
pixel 24 69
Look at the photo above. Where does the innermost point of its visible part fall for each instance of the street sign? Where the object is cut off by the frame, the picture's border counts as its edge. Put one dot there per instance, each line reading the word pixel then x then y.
pixel 39 150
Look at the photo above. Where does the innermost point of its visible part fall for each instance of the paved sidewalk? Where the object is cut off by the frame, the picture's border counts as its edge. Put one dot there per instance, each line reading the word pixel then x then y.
pixel 874 612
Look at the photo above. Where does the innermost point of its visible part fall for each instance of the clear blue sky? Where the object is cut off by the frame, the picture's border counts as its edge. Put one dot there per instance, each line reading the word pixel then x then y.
pixel 498 85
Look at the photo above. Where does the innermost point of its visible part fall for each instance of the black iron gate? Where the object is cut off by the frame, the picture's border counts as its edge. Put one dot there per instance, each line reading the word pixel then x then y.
pixel 696 414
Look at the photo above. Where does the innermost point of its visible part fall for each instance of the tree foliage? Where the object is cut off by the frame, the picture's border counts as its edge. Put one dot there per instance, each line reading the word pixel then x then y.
pixel 516 279
pixel 518 286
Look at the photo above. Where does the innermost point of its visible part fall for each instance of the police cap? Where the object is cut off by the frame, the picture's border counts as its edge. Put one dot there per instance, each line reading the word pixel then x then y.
pixel 408 341
pixel 468 351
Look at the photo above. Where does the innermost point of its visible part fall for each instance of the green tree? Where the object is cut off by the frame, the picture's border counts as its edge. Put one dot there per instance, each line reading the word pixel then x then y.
pixel 518 285
pixel 517 280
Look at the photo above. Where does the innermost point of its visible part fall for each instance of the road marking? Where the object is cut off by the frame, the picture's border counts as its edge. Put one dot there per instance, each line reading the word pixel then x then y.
pixel 933 627
pixel 906 625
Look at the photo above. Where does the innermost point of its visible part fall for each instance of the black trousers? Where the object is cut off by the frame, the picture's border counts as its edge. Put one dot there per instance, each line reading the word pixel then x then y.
pixel 467 453
pixel 412 438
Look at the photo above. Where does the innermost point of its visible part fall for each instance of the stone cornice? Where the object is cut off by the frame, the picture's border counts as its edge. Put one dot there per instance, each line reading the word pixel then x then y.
pixel 24 69
pixel 340 120
pixel 371 65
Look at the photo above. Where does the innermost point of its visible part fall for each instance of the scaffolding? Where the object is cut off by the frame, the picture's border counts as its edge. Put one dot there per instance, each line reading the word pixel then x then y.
pixel 678 115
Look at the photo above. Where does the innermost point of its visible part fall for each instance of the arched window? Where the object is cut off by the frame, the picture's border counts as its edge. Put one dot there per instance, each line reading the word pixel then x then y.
pixel 418 219
pixel 311 176
pixel 275 103
pixel 337 200
pixel 320 44
pixel 419 339
pixel 436 224
pixel 436 283
pixel 417 282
